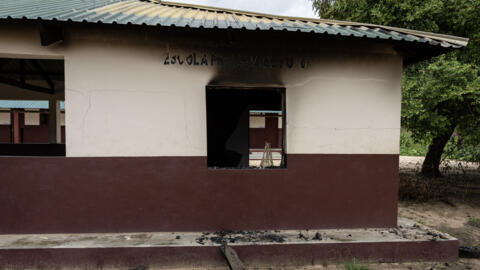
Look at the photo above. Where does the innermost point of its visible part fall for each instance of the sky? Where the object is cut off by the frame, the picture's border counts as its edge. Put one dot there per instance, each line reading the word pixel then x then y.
pixel 293 8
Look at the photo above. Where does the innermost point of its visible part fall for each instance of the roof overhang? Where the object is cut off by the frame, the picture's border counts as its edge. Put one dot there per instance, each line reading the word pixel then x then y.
pixel 414 45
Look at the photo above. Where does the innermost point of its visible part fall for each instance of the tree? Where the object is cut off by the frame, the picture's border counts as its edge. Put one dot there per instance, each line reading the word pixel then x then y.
pixel 440 96
pixel 322 6
pixel 438 99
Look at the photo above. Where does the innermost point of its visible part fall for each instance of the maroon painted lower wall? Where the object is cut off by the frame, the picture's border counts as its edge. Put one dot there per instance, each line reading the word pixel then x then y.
pixel 39 134
pixel 258 137
pixel 5 134
pixel 67 195
pixel 30 134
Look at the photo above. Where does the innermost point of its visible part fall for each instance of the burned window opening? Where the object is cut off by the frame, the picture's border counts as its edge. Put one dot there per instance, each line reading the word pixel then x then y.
pixel 233 140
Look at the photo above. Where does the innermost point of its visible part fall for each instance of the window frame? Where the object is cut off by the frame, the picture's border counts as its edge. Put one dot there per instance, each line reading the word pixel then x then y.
pixel 283 92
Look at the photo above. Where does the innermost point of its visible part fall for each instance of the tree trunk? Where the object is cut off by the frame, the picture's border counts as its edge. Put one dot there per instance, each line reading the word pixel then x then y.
pixel 431 164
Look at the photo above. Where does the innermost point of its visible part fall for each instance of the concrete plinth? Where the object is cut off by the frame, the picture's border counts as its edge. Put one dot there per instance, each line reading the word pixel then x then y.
pixel 408 242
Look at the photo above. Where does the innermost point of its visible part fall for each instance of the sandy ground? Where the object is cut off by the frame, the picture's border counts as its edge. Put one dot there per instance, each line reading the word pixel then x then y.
pixel 450 215
pixel 448 167
pixel 452 218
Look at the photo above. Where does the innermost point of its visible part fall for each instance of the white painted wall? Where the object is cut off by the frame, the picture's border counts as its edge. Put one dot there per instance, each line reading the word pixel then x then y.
pixel 62 119
pixel 257 121
pixel 32 118
pixel 5 118
pixel 122 100
pixel 121 103
pixel 346 105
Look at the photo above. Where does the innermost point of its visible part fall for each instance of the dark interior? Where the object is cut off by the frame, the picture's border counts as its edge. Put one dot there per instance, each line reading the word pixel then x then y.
pixel 228 112
pixel 42 78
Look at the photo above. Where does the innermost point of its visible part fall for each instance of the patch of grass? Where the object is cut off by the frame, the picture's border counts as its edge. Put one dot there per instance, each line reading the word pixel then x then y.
pixel 408 147
pixel 355 265
pixel 475 222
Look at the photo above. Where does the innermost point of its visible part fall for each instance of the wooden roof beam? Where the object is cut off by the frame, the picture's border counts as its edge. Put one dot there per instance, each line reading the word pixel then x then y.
pixel 26 86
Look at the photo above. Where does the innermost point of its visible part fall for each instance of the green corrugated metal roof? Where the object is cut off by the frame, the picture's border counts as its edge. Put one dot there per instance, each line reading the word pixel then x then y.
pixel 170 14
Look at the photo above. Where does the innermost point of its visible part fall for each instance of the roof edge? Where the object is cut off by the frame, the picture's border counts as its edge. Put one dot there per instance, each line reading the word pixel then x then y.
pixel 460 41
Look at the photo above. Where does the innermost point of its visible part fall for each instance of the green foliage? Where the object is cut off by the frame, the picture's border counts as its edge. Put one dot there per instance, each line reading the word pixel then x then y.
pixel 455 17
pixel 409 147
pixel 463 148
pixel 455 149
pixel 355 265
pixel 439 94
pixel 322 6
pixel 442 92
pixel 475 222
pixel 384 12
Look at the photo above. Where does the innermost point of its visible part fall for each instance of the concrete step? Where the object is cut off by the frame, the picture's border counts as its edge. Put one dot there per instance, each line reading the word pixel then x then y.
pixel 408 242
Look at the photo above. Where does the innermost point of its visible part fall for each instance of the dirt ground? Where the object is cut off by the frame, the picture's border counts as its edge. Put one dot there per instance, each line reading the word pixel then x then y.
pixel 451 216
pixel 454 201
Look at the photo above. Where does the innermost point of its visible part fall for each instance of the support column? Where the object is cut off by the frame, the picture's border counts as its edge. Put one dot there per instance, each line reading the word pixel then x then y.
pixel 54 121
pixel 17 122
pixel 271 130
